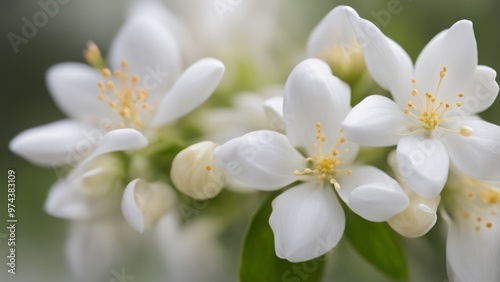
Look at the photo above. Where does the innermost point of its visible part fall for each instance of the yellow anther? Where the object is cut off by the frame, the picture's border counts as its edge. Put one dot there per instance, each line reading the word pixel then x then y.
pixel 479 219
pixel 208 168
pixel 93 56
pixel 459 104
pixel 489 224
pixel 100 98
pixel 466 131
pixel 460 94
pixel 106 73
pixel 124 96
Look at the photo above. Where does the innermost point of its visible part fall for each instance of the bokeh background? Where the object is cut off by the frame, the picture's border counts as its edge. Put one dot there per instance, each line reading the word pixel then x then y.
pixel 26 103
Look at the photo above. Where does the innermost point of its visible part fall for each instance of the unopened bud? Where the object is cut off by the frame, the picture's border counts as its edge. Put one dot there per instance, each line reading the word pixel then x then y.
pixel 195 173
pixel 418 218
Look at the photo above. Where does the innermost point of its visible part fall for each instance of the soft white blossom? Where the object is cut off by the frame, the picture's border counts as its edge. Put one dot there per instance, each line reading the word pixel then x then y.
pixel 309 213
pixel 433 119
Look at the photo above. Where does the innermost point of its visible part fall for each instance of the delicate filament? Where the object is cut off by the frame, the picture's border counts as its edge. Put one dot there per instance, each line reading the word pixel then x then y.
pixel 325 164
pixel 127 98
pixel 430 113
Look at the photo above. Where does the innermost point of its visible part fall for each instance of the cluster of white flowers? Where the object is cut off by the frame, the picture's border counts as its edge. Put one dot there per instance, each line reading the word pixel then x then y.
pixel 122 113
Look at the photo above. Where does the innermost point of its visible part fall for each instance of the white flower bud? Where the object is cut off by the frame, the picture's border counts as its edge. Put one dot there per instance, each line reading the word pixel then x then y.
pixel 418 218
pixel 195 173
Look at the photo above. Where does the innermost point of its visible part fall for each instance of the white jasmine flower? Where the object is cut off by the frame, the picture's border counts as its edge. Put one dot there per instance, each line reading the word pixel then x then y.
pixel 420 215
pixel 195 173
pixel 142 89
pixel 472 211
pixel 308 220
pixel 432 120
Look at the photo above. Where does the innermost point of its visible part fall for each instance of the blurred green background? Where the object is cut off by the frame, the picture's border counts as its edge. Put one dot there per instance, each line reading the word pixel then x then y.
pixel 40 238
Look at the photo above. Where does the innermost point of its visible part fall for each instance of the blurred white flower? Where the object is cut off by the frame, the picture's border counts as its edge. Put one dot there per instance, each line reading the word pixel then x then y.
pixel 144 90
pixel 433 117
pixel 334 41
pixel 472 211
pixel 191 252
pixel 309 214
pixel 420 215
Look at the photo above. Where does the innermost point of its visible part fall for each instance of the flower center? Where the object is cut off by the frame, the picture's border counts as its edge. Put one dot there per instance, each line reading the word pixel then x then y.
pixel 429 111
pixel 325 165
pixel 120 90
pixel 481 204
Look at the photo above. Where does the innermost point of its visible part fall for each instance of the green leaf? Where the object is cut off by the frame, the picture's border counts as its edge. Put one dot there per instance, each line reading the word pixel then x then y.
pixel 378 244
pixel 259 261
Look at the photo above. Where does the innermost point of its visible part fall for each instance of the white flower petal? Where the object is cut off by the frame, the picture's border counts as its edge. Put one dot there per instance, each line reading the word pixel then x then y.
pixel 483 91
pixel 73 87
pixel 454 49
pixel 144 203
pixel 117 140
pixel 312 95
pixel 273 108
pixel 334 29
pixel 423 163
pixel 193 87
pixel 263 159
pixel 54 144
pixel 65 200
pixel 95 248
pixel 389 65
pixel 151 51
pixel 472 255
pixel 375 121
pixel 477 155
pixel 307 222
pixel 372 194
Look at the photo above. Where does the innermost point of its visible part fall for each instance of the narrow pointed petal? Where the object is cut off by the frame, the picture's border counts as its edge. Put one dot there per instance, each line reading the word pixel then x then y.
pixel 312 95
pixel 144 203
pixel 55 144
pixel 376 121
pixel 96 248
pixel 477 155
pixel 423 163
pixel 193 88
pixel 389 65
pixel 73 87
pixel 261 159
pixel 307 222
pixel 117 140
pixel 334 29
pixel 372 194
pixel 454 49
pixel 151 51
pixel 470 253
pixel 483 91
